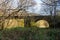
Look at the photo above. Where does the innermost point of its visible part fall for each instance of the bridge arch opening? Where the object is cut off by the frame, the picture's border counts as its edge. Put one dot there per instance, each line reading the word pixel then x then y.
pixel 42 24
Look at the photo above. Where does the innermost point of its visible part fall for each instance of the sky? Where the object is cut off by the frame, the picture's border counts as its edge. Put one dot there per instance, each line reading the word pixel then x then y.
pixel 14 4
pixel 35 9
pixel 38 8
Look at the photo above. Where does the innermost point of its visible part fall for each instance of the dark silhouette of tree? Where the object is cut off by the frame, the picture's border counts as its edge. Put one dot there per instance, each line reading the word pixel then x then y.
pixel 53 6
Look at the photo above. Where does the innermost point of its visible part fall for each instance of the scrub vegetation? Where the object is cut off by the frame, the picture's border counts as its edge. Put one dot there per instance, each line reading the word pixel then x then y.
pixel 29 33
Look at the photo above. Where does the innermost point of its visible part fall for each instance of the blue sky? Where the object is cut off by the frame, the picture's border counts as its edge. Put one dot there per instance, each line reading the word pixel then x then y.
pixel 38 8
pixel 35 9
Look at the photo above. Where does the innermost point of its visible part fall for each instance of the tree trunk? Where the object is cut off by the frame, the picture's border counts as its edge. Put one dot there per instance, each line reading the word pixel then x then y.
pixel 27 21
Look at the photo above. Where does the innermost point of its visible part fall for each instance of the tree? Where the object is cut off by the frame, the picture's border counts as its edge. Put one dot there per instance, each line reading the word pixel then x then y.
pixel 48 4
pixel 21 5
pixel 53 6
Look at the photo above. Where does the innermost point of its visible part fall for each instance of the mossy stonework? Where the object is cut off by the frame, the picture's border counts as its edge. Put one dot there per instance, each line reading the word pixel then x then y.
pixel 12 23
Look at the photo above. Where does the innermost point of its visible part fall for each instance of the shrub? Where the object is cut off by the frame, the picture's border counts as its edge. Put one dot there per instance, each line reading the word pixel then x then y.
pixel 28 33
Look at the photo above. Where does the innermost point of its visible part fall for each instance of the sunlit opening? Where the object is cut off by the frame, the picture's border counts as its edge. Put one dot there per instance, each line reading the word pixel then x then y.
pixel 42 24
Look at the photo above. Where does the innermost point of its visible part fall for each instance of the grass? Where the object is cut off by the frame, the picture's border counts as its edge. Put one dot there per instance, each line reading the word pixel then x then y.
pixel 30 33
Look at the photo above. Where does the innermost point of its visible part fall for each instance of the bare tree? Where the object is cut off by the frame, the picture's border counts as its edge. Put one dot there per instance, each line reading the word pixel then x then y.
pixel 50 4
pixel 22 5
pixel 53 6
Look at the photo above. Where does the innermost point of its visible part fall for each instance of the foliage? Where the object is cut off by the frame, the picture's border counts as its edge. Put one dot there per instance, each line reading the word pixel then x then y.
pixel 33 23
pixel 29 33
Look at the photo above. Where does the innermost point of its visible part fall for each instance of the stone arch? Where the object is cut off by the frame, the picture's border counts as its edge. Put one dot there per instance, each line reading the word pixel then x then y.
pixel 42 24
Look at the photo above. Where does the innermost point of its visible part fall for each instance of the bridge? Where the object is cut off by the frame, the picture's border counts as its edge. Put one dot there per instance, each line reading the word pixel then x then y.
pixel 30 17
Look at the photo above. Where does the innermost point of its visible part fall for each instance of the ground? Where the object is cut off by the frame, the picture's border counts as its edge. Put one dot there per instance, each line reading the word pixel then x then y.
pixel 30 33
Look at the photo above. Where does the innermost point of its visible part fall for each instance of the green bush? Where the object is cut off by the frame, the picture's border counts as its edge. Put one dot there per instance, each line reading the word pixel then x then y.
pixel 29 33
